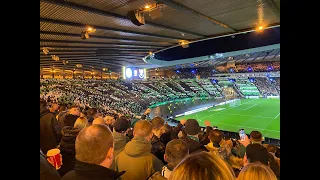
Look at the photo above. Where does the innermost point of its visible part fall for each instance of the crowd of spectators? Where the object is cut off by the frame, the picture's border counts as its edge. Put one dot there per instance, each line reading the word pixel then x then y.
pixel 125 148
pixel 267 86
pixel 206 72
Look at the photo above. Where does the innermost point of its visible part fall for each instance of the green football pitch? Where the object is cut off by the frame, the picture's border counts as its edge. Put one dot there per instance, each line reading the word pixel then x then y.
pixel 252 114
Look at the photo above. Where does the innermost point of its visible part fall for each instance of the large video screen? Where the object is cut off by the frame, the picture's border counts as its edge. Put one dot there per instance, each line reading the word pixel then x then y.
pixel 133 73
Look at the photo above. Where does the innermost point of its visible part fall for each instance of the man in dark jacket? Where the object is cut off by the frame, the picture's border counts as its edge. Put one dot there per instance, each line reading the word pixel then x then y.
pixel 192 130
pixel 94 155
pixel 47 171
pixel 50 131
pixel 158 147
pixel 138 151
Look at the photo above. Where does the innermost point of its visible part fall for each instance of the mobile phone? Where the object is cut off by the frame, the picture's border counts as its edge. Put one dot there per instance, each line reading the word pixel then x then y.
pixel 242 134
pixel 214 127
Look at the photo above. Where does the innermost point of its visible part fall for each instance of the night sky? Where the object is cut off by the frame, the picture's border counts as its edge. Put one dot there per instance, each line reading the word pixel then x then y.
pixel 222 45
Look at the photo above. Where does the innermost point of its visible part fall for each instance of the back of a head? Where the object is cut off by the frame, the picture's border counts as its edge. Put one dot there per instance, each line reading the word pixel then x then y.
pixel 256 136
pixel 176 150
pixel 192 127
pixel 121 125
pixel 69 120
pixel 142 128
pixel 92 112
pixel 98 121
pixel 271 148
pixel 202 166
pixel 255 171
pixel 157 123
pixel 257 152
pixel 93 143
pixel 166 128
pixel 81 123
pixel 215 136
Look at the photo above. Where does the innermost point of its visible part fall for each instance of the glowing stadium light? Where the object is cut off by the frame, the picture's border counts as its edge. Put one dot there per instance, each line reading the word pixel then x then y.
pixel 249 69
pixel 270 68
pixel 193 71
pixel 177 71
pixel 218 55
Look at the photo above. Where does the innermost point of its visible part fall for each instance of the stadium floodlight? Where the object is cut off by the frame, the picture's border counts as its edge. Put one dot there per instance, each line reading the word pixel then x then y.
pixel 45 50
pixel 55 57
pixel 84 35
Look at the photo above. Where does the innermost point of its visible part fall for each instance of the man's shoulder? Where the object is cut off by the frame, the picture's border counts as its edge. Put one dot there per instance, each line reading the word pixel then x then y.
pixel 70 176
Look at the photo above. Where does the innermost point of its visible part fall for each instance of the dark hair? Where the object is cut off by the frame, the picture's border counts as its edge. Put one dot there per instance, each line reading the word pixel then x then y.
pixel 92 111
pixel 215 136
pixel 271 148
pixel 256 136
pixel 175 151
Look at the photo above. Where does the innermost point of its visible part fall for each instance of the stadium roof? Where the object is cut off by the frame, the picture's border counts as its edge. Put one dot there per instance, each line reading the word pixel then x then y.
pixel 117 41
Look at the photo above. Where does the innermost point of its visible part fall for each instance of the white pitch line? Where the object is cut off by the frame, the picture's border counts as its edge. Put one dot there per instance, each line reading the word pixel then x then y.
pixel 250 107
pixel 276 116
pixel 249 116
pixel 226 109
pixel 246 126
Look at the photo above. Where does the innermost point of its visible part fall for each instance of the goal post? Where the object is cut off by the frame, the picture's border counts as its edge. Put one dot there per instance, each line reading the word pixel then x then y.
pixel 230 97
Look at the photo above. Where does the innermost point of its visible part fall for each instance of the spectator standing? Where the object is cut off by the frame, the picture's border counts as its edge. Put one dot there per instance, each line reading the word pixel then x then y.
pixel 138 150
pixel 50 131
pixel 94 155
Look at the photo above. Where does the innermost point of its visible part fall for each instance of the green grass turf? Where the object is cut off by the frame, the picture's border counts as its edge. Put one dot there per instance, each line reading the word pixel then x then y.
pixel 253 114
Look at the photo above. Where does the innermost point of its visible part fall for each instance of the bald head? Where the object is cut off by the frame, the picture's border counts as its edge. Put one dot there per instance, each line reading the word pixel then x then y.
pixel 98 120
pixel 142 128
pixel 93 144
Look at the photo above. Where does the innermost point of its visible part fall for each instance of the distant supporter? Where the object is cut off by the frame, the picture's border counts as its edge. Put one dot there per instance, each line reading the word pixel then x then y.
pixel 109 120
pixel 73 111
pixel 94 155
pixel 202 166
pixel 62 110
pixel 138 150
pixel 257 170
pixel 50 130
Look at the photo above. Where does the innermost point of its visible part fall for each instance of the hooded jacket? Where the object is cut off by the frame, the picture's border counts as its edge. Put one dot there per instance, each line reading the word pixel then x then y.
pixel 120 141
pixel 136 159
pixel 67 148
